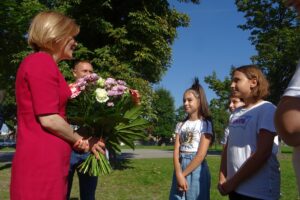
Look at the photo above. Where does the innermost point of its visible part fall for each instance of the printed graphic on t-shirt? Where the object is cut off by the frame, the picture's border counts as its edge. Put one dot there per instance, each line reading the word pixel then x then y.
pixel 240 122
pixel 188 137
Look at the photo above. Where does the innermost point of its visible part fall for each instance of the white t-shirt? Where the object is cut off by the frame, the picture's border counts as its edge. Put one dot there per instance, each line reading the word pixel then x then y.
pixel 190 133
pixel 293 88
pixel 244 127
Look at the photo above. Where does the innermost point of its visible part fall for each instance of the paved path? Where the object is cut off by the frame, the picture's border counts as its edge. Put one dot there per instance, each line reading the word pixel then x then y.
pixel 126 154
pixel 154 153
pixel 146 153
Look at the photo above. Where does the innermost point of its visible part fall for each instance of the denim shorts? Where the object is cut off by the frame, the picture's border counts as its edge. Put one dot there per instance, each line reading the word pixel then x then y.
pixel 198 181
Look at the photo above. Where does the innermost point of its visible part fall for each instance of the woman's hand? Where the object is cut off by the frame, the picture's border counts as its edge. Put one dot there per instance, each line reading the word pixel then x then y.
pixel 81 145
pixel 97 145
pixel 93 144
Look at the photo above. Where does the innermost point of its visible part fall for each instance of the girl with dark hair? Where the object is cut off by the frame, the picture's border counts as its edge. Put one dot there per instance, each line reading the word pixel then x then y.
pixel 234 103
pixel 191 179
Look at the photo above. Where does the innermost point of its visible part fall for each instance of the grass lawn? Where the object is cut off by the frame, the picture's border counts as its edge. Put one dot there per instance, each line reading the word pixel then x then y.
pixel 151 179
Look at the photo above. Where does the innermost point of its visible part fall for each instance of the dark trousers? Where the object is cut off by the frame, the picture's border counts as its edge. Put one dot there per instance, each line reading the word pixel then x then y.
pixel 87 183
pixel 237 196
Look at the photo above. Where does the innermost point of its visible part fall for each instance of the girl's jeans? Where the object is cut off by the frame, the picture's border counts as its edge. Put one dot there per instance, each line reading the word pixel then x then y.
pixel 198 181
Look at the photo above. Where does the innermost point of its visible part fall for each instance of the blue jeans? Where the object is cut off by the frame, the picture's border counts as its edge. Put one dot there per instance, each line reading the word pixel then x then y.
pixel 87 184
pixel 198 181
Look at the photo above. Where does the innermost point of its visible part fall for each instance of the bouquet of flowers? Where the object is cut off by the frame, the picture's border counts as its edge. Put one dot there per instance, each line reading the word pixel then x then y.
pixel 108 109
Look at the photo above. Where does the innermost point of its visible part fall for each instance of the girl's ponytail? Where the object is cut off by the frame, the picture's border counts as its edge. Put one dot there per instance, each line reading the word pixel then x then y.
pixel 196 85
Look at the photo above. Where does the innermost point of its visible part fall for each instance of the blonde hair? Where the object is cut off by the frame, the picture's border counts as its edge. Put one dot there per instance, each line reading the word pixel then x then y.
pixel 261 91
pixel 50 28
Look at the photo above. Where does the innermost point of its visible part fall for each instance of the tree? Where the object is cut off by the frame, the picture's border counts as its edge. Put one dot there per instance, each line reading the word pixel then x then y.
pixel 276 36
pixel 165 111
pixel 219 106
pixel 134 33
pixel 126 39
pixel 14 21
pixel 180 114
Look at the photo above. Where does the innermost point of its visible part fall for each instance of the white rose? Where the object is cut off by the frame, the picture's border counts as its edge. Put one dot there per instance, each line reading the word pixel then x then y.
pixel 101 95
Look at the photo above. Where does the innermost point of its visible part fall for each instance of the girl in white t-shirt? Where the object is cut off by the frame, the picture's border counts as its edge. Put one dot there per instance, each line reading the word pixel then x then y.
pixel 191 179
pixel 249 166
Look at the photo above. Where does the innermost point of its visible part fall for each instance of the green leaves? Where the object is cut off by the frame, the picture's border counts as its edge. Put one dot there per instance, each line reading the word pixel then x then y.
pixel 138 34
pixel 133 113
pixel 129 40
pixel 219 106
pixel 133 129
pixel 122 123
pixel 164 107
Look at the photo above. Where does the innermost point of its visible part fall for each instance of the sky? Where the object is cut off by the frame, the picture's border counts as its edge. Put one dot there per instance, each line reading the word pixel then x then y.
pixel 212 42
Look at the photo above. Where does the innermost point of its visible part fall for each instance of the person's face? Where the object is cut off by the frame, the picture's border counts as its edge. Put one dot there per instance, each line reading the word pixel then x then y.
pixel 191 103
pixel 241 86
pixel 235 103
pixel 82 69
pixel 69 48
pixel 65 49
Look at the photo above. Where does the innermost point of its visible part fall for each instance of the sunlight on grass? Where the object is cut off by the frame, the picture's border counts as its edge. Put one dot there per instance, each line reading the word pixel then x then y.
pixel 151 179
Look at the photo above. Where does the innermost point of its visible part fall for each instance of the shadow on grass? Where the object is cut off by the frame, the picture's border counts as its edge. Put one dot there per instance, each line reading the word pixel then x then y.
pixel 214 152
pixel 5 166
pixel 5 160
pixel 122 164
pixel 286 152
pixel 126 156
pixel 6 156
